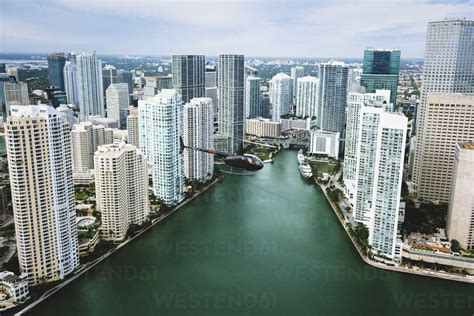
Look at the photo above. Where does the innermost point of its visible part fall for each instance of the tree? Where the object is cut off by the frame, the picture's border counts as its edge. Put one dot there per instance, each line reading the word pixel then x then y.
pixel 455 246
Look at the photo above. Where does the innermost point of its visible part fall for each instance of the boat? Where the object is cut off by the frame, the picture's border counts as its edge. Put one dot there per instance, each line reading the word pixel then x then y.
pixel 300 157
pixel 305 170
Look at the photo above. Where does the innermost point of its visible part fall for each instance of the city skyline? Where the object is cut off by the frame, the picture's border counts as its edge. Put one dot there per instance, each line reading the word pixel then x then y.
pixel 259 29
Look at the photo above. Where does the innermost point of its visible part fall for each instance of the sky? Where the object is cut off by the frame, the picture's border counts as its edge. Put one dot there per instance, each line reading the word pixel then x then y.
pixel 318 28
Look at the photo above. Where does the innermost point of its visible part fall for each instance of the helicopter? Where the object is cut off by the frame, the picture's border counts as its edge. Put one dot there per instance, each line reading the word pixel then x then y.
pixel 244 162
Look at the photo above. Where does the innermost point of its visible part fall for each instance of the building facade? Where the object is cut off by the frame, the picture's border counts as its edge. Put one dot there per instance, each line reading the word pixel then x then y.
pixel 15 93
pixel 70 82
pixel 198 132
pixel 449 119
pixel 117 100
pixel 39 159
pixel 133 127
pixel 280 95
pixel 252 97
pixel 307 96
pixel 460 220
pixel 90 92
pixel 160 122
pixel 231 86
pixel 296 72
pixel 262 127
pixel 381 70
pixel 121 184
pixel 188 76
pixel 56 63
pixel 324 143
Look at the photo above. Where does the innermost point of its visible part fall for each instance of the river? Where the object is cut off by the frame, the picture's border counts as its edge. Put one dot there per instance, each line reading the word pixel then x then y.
pixel 262 245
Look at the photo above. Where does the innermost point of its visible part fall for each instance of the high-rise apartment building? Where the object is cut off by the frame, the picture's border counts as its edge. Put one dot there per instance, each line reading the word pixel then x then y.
pixel 56 63
pixel 231 88
pixel 117 100
pixel 85 139
pixel 357 101
pixel 448 119
pixel 188 76
pixel 68 114
pixel 296 72
pixel 460 220
pixel 90 90
pixel 198 119
pixel 252 97
pixel 211 87
pixel 307 96
pixel 133 127
pixel 331 113
pixel 380 140
pixel 70 82
pixel 380 71
pixel 448 68
pixel 121 185
pixel 39 158
pixel 280 95
pixel 160 126
pixel 109 76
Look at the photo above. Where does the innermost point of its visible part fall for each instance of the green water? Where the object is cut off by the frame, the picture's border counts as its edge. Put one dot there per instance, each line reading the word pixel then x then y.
pixel 262 245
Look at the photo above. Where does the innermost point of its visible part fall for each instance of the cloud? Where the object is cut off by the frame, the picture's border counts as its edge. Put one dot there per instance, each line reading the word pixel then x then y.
pixel 273 28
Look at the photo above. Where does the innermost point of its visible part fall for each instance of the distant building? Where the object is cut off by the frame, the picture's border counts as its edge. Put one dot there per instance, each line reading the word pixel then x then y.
pixel 262 127
pixel 68 114
pixel 252 97
pixel 381 70
pixel 109 76
pixel 117 100
pixel 211 87
pixel 89 85
pixel 307 96
pixel 133 127
pixel 221 142
pixel 121 183
pixel 460 219
pixel 449 119
pixel 15 93
pixel 292 123
pixel 126 76
pixel 188 76
pixel 332 98
pixel 296 72
pixel 105 121
pixel 354 80
pixel 231 107
pixel 5 199
pixel 56 63
pixel 198 121
pixel 280 95
pixel 160 126
pixel 324 143
pixel 70 82
pixel 42 192
pixel 85 139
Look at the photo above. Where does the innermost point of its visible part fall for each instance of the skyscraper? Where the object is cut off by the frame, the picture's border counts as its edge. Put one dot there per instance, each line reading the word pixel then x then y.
pixel 117 100
pixel 280 95
pixel 121 185
pixel 296 72
pixel 160 125
pixel 70 82
pixel 198 132
pixel 109 76
pixel 211 87
pixel 460 219
pixel 252 97
pixel 89 85
pixel 231 99
pixel 126 76
pixel 380 143
pixel 188 76
pixel 332 97
pixel 356 103
pixel 39 159
pixel 133 127
pixel 307 96
pixel 448 68
pixel 380 71
pixel 448 119
pixel 56 63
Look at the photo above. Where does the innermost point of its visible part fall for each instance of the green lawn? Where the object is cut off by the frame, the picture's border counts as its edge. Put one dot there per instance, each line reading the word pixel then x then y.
pixel 261 152
pixel 80 196
pixel 324 167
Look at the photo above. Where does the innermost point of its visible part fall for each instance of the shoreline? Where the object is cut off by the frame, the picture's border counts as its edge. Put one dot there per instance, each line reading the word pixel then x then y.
pixel 89 265
pixel 419 272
